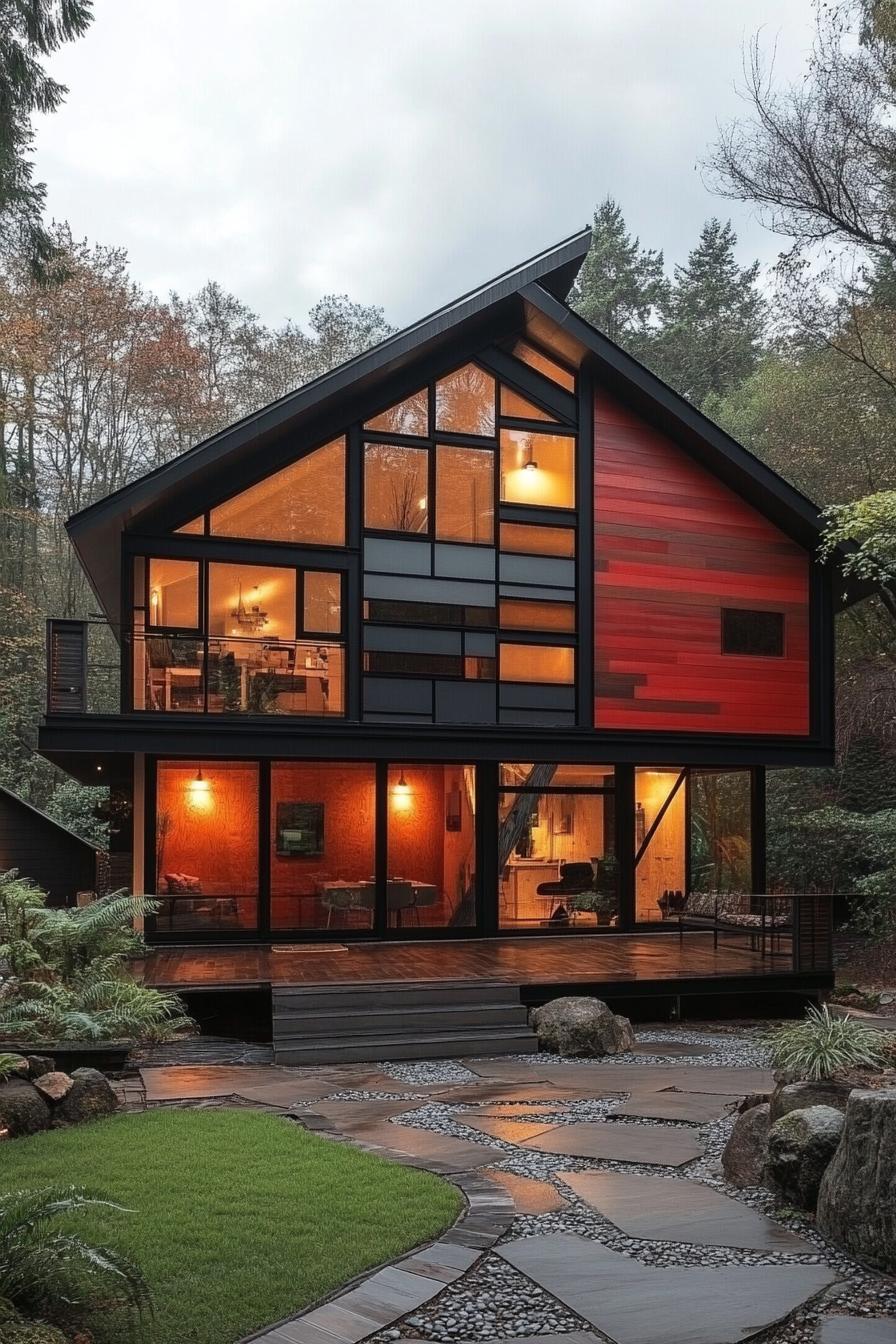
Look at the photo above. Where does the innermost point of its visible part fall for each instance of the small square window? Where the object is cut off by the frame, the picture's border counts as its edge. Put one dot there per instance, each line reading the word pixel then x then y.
pixel 757 633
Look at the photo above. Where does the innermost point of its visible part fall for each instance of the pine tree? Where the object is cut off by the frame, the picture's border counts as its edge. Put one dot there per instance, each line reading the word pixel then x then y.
pixel 713 321
pixel 620 284
pixel 29 29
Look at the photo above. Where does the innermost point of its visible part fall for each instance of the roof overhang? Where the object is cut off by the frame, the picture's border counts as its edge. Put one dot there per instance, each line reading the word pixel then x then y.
pixel 96 531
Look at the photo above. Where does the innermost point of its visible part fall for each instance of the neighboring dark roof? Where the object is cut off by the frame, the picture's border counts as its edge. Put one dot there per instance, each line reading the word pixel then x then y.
pixel 14 798
pixel 541 282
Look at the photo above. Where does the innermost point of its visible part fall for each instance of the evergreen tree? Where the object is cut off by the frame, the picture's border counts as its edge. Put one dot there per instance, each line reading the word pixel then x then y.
pixel 620 283
pixel 868 776
pixel 29 29
pixel 713 321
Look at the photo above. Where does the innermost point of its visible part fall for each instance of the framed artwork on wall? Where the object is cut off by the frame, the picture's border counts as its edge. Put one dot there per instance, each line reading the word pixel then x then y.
pixel 300 830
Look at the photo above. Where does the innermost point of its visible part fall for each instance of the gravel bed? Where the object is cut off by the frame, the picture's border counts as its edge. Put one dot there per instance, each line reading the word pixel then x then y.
pixel 430 1071
pixel 496 1301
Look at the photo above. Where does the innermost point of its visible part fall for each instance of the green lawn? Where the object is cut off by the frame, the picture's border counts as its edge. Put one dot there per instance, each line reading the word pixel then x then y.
pixel 241 1217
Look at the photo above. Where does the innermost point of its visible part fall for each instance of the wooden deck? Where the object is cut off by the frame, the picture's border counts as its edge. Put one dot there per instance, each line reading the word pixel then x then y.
pixel 629 962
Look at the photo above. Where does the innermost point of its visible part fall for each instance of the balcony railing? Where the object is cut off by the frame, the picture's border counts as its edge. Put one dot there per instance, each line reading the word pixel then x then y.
pixel 186 674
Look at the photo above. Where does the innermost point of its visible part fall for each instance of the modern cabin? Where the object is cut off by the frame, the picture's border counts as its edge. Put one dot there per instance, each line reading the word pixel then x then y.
pixel 486 634
pixel 54 856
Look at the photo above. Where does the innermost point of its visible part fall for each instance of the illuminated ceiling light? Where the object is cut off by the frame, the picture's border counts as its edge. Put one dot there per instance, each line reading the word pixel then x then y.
pixel 401 793
pixel 199 787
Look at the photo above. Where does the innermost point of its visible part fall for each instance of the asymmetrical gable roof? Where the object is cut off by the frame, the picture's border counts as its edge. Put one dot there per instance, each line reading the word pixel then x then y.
pixel 13 800
pixel 529 294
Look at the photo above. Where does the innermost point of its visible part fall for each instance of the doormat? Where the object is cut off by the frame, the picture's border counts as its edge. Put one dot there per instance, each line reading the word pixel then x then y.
pixel 309 947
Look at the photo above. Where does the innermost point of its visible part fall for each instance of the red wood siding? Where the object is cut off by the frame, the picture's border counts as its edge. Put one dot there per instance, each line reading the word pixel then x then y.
pixel 673 546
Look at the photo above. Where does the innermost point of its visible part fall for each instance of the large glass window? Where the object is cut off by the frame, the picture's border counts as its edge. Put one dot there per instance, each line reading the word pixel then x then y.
pixel 557 865
pixel 519 408
pixel 322 845
pixel 396 487
pixel 537 359
pixel 465 402
pixel 174 594
pixel 322 602
pixel 206 846
pixel 720 830
pixel 431 855
pixel 465 494
pixel 538 468
pixel 551 663
pixel 304 502
pixel 410 416
pixel 660 819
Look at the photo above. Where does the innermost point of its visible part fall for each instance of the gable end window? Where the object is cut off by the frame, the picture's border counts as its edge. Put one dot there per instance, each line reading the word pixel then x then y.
pixel 759 634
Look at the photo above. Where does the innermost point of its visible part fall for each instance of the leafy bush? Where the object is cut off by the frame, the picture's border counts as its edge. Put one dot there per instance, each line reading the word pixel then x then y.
pixel 50 1273
pixel 9 1066
pixel 68 974
pixel 822 1045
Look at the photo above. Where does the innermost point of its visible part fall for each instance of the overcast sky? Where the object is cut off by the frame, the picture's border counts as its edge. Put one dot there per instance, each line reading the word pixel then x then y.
pixel 400 151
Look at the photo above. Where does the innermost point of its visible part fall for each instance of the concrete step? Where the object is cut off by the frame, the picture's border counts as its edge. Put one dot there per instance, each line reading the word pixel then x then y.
pixel 429 1017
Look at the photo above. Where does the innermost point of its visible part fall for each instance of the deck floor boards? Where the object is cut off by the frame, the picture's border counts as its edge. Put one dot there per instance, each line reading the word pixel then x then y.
pixel 616 958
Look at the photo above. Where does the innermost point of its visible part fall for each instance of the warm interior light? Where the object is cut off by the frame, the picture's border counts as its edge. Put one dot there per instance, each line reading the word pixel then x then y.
pixel 531 466
pixel 401 794
pixel 421 503
pixel 200 790
pixel 154 600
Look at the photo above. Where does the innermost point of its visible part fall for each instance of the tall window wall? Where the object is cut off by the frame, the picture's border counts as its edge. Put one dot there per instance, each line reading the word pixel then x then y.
pixel 470 538
pixel 213 637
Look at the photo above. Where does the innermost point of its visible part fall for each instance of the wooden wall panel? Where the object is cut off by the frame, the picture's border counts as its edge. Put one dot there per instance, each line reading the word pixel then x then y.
pixel 673 546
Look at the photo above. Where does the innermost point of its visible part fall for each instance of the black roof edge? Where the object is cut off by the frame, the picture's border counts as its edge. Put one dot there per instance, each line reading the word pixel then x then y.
pixel 45 816
pixel 554 269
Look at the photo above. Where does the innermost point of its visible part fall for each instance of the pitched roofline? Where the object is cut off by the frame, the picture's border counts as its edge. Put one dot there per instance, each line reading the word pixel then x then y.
pixel 805 514
pixel 45 816
pixel 554 269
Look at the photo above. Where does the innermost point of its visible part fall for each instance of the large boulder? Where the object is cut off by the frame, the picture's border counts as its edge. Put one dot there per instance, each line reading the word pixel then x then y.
pixel 857 1200
pixel 800 1146
pixel 39 1065
pixel 22 1108
pixel 581 1026
pixel 743 1159
pixel 54 1086
pixel 798 1096
pixel 91 1096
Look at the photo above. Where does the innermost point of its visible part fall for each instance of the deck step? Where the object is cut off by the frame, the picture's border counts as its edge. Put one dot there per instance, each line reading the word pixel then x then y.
pixel 381 1021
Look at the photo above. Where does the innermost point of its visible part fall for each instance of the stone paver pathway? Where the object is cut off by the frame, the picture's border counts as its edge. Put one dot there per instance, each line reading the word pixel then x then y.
pixel 656 1209
pixel 594 1200
pixel 640 1304
pixel 855 1330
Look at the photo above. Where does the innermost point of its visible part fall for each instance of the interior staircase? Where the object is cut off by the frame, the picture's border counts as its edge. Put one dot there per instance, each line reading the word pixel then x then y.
pixel 347 1024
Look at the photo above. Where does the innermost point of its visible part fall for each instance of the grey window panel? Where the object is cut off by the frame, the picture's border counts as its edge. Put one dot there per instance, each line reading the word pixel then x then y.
pixel 548 718
pixel 397 718
pixel 397 557
pixel 409 639
pixel 527 591
pixel 538 569
pixel 465 702
pixel 453 591
pixel 465 562
pixel 481 644
pixel 397 696
pixel 520 696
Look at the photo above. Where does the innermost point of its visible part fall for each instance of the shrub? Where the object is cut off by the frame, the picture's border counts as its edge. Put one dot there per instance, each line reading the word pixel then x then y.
pixel 50 1273
pixel 69 977
pixel 823 1045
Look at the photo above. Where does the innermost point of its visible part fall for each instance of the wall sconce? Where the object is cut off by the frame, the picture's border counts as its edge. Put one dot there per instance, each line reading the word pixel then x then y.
pixel 530 464
pixel 401 794
pixel 155 599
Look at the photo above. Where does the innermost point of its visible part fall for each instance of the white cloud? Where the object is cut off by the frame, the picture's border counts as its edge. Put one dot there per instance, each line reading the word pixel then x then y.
pixel 396 150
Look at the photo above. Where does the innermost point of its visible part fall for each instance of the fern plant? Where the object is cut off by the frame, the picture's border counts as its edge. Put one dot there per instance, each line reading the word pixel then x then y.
pixel 10 1066
pixel 48 1271
pixel 823 1045
pixel 68 970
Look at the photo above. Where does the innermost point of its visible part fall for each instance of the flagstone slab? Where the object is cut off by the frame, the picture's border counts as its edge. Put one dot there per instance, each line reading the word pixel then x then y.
pixel 619 1142
pixel 528 1195
pixel 425 1146
pixel 633 1303
pixel 509 1131
pixel 696 1107
pixel 658 1208
pixel 855 1330
pixel 352 1115
pixel 183 1083
pixel 728 1079
pixel 496 1092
